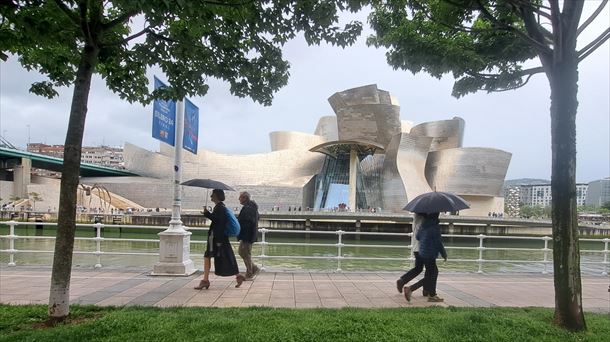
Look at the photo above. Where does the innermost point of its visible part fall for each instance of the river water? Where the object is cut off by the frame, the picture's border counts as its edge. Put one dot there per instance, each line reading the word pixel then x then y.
pixel 324 255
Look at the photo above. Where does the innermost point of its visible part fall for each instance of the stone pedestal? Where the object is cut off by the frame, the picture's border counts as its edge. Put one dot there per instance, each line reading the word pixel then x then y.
pixel 174 254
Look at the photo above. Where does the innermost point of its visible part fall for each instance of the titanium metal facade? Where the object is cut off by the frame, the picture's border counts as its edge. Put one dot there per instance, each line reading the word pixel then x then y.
pixel 365 156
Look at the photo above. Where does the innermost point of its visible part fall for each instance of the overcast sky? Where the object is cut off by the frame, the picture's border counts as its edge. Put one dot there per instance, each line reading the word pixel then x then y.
pixel 516 121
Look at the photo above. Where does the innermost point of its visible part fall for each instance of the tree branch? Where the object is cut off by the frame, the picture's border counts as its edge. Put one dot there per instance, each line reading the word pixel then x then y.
pixel 521 73
pixel 120 19
pixel 68 12
pixel 161 37
pixel 536 43
pixel 592 17
pixel 228 4
pixel 593 45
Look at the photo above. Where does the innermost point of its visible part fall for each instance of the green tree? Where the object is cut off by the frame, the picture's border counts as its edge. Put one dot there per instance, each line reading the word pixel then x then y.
pixel 34 197
pixel 190 41
pixel 485 44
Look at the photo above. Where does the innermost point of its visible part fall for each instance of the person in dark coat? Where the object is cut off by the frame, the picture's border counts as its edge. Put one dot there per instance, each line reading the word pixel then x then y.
pixel 430 246
pixel 418 219
pixel 248 222
pixel 217 242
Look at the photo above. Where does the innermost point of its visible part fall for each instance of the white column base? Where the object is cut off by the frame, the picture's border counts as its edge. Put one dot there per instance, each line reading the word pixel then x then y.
pixel 174 254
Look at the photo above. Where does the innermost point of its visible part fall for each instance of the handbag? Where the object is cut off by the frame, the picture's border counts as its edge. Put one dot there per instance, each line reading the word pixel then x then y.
pixel 225 263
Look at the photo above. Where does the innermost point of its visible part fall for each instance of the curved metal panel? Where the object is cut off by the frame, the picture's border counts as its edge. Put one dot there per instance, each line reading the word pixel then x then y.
pixel 283 140
pixel 404 170
pixel 446 133
pixel 366 113
pixel 327 128
pixel 468 171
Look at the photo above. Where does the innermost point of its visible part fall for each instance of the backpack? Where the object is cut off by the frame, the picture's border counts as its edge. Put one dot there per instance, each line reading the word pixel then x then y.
pixel 232 229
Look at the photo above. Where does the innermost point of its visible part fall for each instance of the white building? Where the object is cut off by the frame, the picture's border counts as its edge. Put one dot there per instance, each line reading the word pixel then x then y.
pixel 599 192
pixel 540 195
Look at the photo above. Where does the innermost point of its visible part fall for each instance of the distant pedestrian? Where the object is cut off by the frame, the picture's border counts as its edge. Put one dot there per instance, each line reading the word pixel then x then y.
pixel 419 264
pixel 248 221
pixel 218 245
pixel 430 246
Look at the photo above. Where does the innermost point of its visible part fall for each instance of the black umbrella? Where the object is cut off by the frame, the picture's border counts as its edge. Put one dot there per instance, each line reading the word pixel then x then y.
pixel 436 202
pixel 207 184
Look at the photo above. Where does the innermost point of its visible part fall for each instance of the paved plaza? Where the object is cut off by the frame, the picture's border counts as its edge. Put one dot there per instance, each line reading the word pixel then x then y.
pixel 119 287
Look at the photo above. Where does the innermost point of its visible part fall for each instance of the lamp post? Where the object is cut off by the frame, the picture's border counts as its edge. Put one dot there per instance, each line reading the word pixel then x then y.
pixel 175 241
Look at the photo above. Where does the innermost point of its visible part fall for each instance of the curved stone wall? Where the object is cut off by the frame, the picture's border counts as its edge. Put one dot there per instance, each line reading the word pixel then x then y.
pixel 404 170
pixel 283 140
pixel 468 171
pixel 284 167
pixel 446 133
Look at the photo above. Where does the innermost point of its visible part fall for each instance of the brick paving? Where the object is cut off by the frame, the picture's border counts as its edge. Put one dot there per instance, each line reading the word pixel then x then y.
pixel 125 287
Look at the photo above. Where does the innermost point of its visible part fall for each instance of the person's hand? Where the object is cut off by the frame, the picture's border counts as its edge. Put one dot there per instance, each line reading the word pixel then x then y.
pixel 205 210
pixel 445 258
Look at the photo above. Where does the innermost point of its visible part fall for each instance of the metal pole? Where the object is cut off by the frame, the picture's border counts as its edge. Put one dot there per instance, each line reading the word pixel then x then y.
pixel 175 224
pixel 605 272
pixel 11 261
pixel 263 243
pixel 98 243
pixel 546 253
pixel 481 248
pixel 339 245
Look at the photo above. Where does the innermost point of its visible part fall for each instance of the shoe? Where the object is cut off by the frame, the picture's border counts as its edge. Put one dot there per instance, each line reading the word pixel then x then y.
pixel 239 279
pixel 407 291
pixel 256 271
pixel 425 293
pixel 204 284
pixel 435 299
pixel 399 285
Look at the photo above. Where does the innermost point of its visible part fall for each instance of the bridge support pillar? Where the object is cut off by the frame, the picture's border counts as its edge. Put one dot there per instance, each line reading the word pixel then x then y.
pixel 22 177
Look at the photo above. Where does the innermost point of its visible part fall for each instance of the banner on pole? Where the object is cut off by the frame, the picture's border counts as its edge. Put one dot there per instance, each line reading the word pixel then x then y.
pixel 164 118
pixel 191 127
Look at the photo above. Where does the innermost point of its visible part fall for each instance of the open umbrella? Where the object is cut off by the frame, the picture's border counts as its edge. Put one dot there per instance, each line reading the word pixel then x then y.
pixel 207 184
pixel 436 202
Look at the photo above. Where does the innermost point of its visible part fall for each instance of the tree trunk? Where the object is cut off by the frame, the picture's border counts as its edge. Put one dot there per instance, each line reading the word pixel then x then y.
pixel 59 297
pixel 566 253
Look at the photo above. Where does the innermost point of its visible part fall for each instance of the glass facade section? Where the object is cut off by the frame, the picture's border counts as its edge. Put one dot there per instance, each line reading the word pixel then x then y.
pixel 332 184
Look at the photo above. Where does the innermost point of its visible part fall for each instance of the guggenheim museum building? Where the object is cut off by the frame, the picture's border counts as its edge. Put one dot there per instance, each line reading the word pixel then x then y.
pixel 361 158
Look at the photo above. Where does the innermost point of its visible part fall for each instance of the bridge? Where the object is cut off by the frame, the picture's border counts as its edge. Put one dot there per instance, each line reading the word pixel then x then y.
pixel 11 157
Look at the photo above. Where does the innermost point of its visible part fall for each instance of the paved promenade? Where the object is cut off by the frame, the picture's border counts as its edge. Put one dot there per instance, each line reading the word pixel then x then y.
pixel 118 287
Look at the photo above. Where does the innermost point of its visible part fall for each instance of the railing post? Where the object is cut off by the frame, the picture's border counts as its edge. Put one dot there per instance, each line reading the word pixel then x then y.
pixel 606 240
pixel 98 244
pixel 411 255
pixel 11 243
pixel 339 252
pixel 546 253
pixel 263 244
pixel 481 249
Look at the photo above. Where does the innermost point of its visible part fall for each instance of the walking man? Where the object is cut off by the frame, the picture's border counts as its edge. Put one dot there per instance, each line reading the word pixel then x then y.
pixel 248 221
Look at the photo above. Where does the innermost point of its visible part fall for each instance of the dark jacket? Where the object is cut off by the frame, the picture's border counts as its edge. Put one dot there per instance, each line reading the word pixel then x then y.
pixel 248 222
pixel 218 216
pixel 430 242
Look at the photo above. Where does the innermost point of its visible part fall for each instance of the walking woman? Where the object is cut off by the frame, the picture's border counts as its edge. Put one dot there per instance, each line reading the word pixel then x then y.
pixel 218 246
pixel 430 246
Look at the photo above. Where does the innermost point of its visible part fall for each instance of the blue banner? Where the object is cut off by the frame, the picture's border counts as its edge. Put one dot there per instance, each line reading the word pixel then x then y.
pixel 164 118
pixel 191 127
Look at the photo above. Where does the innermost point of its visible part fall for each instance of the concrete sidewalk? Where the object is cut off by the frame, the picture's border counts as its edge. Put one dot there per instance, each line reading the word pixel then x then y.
pixel 118 287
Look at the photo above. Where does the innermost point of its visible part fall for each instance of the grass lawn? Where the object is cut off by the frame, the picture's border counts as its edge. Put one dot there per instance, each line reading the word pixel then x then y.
pixel 90 323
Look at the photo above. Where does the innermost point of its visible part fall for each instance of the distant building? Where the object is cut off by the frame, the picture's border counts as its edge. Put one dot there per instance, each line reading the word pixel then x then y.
pixel 599 192
pixel 540 194
pixel 512 206
pixel 99 155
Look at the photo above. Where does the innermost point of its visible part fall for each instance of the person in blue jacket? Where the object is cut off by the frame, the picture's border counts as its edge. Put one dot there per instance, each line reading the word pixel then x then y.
pixel 430 247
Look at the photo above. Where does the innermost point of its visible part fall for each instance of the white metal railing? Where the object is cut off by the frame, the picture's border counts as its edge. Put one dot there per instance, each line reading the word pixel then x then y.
pixel 339 245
